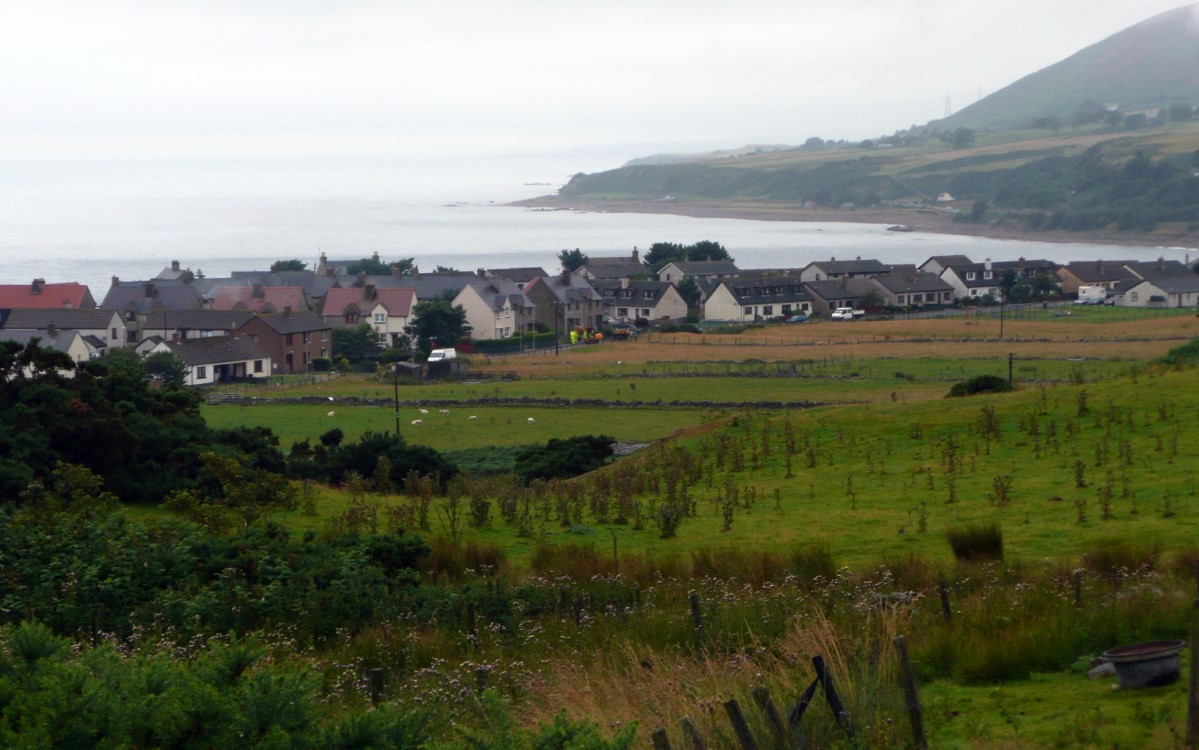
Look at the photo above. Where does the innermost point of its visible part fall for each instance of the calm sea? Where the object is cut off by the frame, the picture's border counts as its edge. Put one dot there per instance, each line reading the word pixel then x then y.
pixel 90 220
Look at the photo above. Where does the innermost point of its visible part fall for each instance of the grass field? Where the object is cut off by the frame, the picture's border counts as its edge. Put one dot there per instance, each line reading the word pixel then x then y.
pixel 1089 466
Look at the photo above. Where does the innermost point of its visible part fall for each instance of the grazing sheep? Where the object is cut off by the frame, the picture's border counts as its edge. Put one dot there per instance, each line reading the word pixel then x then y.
pixel 472 417
pixel 418 422
pixel 330 398
pixel 444 412
pixel 331 414
pixel 532 421
pixel 424 411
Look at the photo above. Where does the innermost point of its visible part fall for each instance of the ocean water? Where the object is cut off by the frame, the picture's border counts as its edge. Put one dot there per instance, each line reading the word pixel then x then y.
pixel 88 221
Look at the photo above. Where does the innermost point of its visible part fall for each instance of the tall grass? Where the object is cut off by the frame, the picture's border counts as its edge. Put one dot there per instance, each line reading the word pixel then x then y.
pixel 976 541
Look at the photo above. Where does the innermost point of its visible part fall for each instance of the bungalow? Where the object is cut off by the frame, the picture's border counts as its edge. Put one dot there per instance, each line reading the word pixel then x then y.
pixel 78 347
pixel 564 301
pixel 973 280
pixel 219 359
pixel 830 294
pixel 913 289
pixel 756 298
pixel 1165 291
pixel 1104 273
pixel 628 299
pixel 387 311
pixel 40 295
pixel 823 270
pixel 495 308
pixel 290 339
pixel 104 326
pixel 700 270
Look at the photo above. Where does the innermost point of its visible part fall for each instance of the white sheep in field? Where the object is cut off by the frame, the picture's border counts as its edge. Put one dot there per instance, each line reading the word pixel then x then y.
pixel 472 417
pixel 444 412
pixel 532 421
pixel 331 414
pixel 418 422
pixel 424 411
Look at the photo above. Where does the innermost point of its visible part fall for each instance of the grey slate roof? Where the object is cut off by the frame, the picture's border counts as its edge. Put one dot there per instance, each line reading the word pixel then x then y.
pixel 697 267
pixel 64 318
pixel 612 290
pixel 833 289
pixel 915 281
pixel 758 290
pixel 519 275
pixel 215 320
pixel 1173 284
pixel 170 294
pixel 61 341
pixel 217 350
pixel 1089 271
pixel 294 322
pixel 857 266
pixel 606 271
pixel 1159 268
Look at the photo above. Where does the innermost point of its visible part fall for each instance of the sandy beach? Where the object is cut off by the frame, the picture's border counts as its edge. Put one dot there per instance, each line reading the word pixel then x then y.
pixel 924 219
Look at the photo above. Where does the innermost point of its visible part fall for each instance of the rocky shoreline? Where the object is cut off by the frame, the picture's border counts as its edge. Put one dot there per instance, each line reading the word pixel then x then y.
pixel 924 219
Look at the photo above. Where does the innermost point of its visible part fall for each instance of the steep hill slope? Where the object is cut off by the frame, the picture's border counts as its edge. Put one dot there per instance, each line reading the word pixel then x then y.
pixel 1147 66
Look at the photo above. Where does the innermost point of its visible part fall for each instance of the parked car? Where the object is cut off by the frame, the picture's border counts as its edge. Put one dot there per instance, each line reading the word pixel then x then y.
pixel 798 318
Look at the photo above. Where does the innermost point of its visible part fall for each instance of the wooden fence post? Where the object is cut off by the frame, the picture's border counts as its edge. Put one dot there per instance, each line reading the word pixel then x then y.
pixel 830 695
pixel 910 696
pixel 777 730
pixel 660 740
pixel 740 726
pixel 691 734
pixel 697 616
pixel 1193 694
pixel 943 588
pixel 375 678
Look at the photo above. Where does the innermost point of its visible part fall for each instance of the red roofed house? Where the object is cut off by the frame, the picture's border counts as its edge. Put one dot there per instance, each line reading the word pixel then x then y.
pixel 41 296
pixel 386 310
pixel 259 298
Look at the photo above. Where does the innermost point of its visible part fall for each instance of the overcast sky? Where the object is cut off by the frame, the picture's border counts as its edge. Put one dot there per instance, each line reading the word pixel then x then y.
pixel 218 78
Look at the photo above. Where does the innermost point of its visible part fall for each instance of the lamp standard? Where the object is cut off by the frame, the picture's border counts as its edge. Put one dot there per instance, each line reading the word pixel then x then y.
pixel 557 334
pixel 395 381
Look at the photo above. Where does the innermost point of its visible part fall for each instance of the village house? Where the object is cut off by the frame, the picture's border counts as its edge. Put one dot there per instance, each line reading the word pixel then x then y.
pixel 495 308
pixel 519 276
pixel 830 294
pixel 1104 273
pixel 823 270
pixel 258 298
pixel 629 299
pixel 913 289
pixel 40 295
pixel 102 328
pixel 193 324
pixel 936 264
pixel 750 298
pixel 1162 291
pixel 134 300
pixel 564 301
pixel 610 268
pixel 290 339
pixel 387 311
pixel 219 359
pixel 78 347
pixel 700 270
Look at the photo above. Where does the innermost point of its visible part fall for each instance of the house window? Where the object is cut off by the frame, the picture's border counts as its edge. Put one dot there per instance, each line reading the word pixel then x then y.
pixel 786 309
pixel 917 298
pixel 987 274
pixel 970 275
pixel 749 311
pixel 899 299
pixel 768 309
pixel 258 365
pixel 1134 296
pixel 325 335
pixel 113 337
pixel 351 318
pixel 973 292
pixel 324 352
pixel 289 340
pixel 622 312
pixel 381 317
pixel 201 372
pixel 307 337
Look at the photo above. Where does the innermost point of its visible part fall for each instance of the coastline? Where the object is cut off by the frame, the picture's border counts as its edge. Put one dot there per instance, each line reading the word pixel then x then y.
pixel 926 219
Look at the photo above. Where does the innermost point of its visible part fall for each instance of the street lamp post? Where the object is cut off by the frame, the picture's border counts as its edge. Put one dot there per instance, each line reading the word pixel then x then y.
pixel 395 380
pixel 557 334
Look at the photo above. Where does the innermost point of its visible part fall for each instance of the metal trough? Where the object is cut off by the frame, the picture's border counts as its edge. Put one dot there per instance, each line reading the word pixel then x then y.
pixel 1148 664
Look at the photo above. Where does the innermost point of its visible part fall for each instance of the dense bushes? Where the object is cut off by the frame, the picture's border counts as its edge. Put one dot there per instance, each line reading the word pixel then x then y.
pixel 980 384
pixel 567 457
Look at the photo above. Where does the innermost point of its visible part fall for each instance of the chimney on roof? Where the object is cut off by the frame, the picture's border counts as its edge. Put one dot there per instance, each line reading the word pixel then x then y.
pixel 1161 263
pixel 174 265
pixel 257 292
pixel 858 258
pixel 148 288
pixel 481 273
pixel 361 277
pixel 115 281
pixel 368 291
pixel 1098 266
pixel 51 329
pixel 624 282
pixel 987 264
pixel 37 286
pixel 287 311
pixel 375 256
pixel 844 282
pixel 566 277
pixel 636 255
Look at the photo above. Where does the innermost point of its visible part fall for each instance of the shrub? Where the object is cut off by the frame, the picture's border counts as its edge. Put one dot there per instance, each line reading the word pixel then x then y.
pixel 980 384
pixel 1112 558
pixel 812 561
pixel 976 541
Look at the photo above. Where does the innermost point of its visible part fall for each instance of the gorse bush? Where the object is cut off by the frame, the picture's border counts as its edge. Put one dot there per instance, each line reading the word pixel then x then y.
pixel 980 384
pixel 975 542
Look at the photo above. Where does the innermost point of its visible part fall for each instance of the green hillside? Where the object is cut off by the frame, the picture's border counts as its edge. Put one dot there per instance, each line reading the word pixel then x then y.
pixel 1145 67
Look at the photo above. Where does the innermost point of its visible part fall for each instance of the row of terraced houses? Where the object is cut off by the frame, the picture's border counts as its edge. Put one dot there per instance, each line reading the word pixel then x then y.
pixel 253 324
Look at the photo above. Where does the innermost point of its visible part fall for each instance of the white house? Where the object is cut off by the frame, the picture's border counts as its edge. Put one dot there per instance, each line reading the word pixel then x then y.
pixel 495 308
pixel 219 359
pixel 757 298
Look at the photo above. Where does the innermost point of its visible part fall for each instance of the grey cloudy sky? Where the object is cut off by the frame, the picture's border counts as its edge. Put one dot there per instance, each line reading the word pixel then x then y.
pixel 101 78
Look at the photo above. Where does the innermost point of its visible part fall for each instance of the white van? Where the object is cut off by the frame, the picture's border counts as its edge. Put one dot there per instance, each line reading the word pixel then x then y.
pixel 437 355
